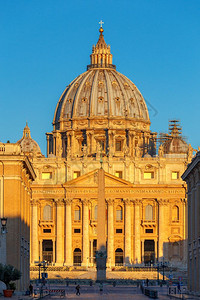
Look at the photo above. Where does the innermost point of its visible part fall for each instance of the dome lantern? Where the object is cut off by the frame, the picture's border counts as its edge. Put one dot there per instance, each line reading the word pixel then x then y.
pixel 101 56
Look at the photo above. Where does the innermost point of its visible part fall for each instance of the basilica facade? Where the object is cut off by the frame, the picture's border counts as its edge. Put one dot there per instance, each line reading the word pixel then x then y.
pixel 102 122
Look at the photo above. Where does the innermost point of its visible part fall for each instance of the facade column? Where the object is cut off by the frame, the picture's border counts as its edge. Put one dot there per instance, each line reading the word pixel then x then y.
pixel 128 256
pixel 68 230
pixel 161 228
pixel 85 233
pixel 34 234
pixel 137 232
pixel 110 255
pixel 59 232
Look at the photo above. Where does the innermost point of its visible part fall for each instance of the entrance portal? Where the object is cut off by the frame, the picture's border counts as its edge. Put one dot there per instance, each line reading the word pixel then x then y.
pixel 149 252
pixel 47 250
pixel 77 257
pixel 119 257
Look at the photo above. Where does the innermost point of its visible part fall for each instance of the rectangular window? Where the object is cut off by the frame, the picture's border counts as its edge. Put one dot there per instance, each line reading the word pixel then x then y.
pixel 47 230
pixel 118 230
pixel 77 174
pixel 46 175
pixel 118 145
pixel 118 174
pixel 149 230
pixel 175 175
pixel 77 230
pixel 148 175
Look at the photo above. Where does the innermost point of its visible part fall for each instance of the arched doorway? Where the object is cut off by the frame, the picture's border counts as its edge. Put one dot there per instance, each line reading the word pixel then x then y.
pixel 119 257
pixel 77 257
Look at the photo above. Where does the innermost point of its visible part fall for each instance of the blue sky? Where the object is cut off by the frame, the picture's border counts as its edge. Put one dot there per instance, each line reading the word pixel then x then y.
pixel 45 44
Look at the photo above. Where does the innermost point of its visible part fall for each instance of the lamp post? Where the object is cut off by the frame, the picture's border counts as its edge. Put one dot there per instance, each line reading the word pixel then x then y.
pixel 3 240
pixel 162 265
pixel 3 225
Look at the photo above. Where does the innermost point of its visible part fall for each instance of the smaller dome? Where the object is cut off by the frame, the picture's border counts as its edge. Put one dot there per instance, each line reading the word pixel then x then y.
pixel 29 145
pixel 174 140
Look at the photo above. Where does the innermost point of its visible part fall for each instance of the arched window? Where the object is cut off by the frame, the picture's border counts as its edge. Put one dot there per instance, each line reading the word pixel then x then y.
pixel 119 213
pixel 175 213
pixel 77 257
pixel 77 213
pixel 149 212
pixel 119 257
pixel 95 212
pixel 47 213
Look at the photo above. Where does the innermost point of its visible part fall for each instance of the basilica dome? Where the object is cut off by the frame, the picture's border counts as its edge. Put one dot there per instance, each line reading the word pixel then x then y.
pixel 101 93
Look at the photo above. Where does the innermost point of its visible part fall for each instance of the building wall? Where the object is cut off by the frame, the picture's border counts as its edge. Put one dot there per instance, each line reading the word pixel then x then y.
pixel 16 174
pixel 192 177
pixel 132 193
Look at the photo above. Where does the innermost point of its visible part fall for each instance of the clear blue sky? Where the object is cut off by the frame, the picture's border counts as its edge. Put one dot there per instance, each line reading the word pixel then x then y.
pixel 45 44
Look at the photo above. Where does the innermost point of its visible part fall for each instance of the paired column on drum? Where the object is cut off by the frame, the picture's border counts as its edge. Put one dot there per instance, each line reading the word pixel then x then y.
pixel 137 232
pixel 34 235
pixel 68 231
pixel 127 253
pixel 110 254
pixel 85 233
pixel 59 231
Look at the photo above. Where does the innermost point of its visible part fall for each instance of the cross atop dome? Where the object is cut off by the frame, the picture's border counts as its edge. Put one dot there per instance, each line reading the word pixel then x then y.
pixel 101 23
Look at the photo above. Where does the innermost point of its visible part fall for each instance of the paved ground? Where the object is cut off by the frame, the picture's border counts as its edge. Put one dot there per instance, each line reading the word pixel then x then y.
pixel 109 293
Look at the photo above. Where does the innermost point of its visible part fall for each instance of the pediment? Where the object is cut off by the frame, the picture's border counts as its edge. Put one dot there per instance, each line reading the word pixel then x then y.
pixel 91 179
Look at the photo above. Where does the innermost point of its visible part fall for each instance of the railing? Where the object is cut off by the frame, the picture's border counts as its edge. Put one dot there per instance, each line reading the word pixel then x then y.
pixel 101 66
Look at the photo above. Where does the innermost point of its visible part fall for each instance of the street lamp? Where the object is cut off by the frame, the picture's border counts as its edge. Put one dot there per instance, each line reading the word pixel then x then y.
pixel 3 225
pixel 162 265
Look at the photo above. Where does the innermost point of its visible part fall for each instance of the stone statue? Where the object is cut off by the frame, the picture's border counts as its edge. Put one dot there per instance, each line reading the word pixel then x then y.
pixel 137 151
pixel 59 151
pixel 98 150
pixel 68 152
pixel 126 150
pixel 161 151
pixel 190 152
pixel 84 149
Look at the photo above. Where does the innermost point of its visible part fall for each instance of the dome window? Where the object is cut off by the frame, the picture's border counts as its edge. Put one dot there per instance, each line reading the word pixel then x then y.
pixel 69 100
pixel 126 85
pixel 117 99
pixel 100 84
pixel 84 99
pixel 100 99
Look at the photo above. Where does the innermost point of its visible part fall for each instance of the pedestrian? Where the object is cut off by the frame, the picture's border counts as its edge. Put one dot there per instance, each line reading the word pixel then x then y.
pixel 31 289
pixel 147 282
pixel 179 287
pixel 78 290
pixel 101 288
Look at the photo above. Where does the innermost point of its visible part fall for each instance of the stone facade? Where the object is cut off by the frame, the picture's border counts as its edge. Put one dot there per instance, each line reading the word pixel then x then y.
pixel 16 175
pixel 101 120
pixel 192 177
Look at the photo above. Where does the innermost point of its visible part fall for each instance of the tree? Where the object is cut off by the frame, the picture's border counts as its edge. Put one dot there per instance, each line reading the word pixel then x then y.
pixel 9 273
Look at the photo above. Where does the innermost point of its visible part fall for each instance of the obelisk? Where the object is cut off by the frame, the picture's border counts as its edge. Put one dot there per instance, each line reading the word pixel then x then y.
pixel 101 254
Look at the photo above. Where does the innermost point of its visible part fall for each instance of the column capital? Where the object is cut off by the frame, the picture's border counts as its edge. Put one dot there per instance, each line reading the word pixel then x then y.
pixel 85 201
pixel 34 202
pixel 163 202
pixel 59 202
pixel 127 201
pixel 68 201
pixel 110 201
pixel 137 201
